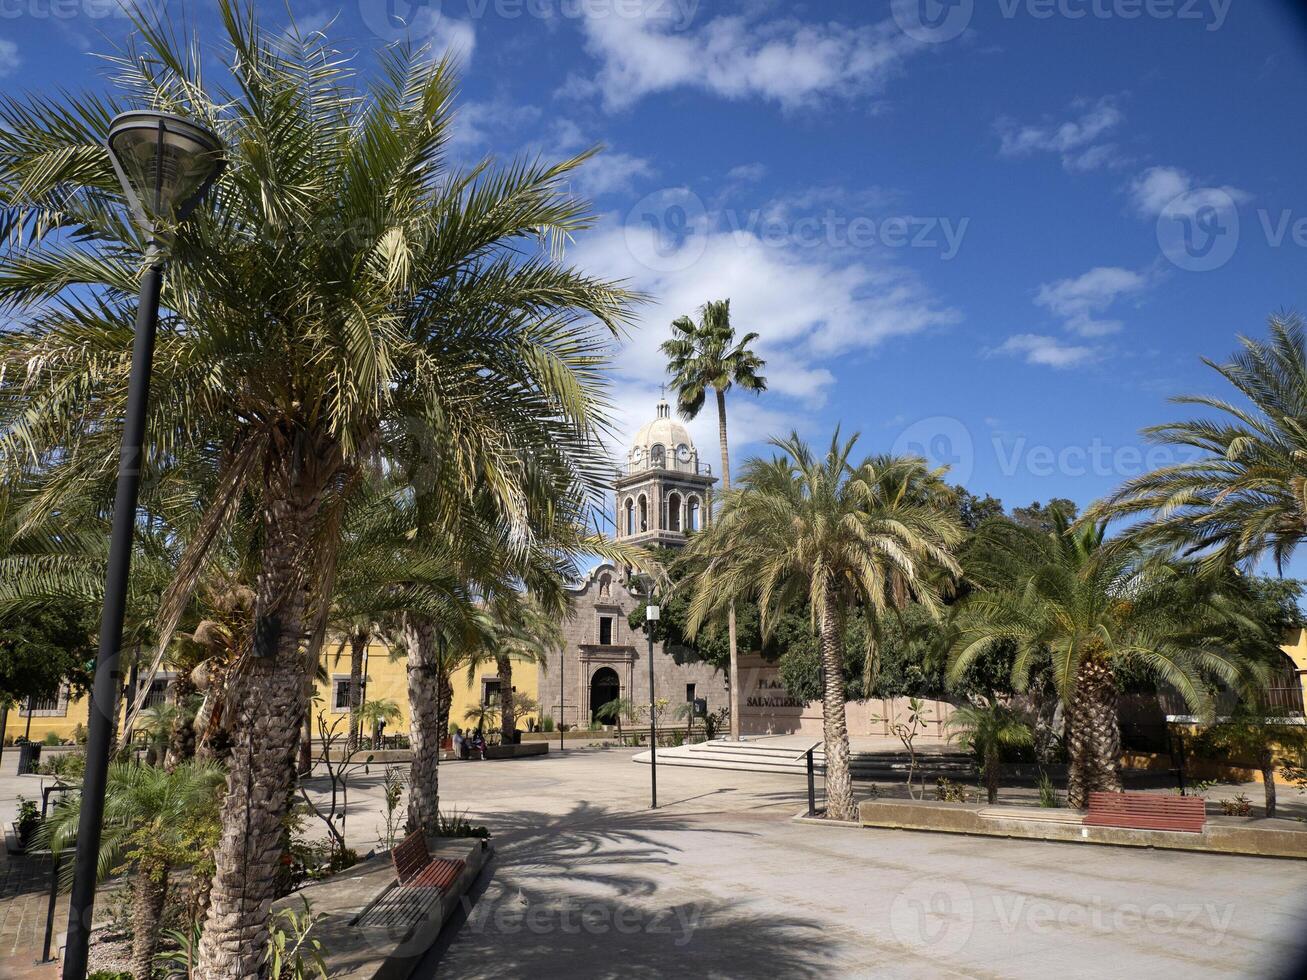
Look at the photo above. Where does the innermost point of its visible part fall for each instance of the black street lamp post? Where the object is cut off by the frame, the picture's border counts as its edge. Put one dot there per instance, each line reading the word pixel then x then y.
pixel 651 613
pixel 165 164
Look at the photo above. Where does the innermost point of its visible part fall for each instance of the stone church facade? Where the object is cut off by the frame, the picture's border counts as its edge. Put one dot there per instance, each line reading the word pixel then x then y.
pixel 662 494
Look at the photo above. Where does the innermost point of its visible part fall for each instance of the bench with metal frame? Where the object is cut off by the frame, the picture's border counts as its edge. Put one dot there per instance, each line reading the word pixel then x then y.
pixel 420 881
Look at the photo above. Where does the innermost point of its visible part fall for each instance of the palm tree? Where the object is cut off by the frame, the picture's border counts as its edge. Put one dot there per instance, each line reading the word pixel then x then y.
pixel 986 729
pixel 377 714
pixel 1089 608
pixel 521 631
pixel 614 711
pixel 155 820
pixel 1238 492
pixel 706 355
pixel 822 530
pixel 345 296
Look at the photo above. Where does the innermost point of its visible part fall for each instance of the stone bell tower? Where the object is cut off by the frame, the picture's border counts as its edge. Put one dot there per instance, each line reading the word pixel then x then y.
pixel 663 492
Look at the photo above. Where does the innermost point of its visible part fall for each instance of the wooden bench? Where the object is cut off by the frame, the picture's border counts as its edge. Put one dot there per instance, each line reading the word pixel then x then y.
pixel 416 868
pixel 1147 811
pixel 420 880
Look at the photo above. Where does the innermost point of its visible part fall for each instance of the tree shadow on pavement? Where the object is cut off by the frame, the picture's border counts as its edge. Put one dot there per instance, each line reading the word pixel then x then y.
pixel 565 897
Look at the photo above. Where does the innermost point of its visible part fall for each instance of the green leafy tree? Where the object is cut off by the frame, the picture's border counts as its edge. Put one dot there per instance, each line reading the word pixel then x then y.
pixel 822 530
pixel 1260 735
pixel 1090 609
pixel 345 295
pixel 706 356
pixel 155 820
pixel 987 729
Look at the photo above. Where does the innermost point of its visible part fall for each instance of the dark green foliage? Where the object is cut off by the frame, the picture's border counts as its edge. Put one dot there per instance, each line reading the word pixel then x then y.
pixel 41 647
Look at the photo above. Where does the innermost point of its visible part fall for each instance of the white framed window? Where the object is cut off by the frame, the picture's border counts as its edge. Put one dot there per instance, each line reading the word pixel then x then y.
pixel 340 692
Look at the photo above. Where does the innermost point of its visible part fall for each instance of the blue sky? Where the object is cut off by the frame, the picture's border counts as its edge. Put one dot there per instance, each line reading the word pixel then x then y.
pixel 959 228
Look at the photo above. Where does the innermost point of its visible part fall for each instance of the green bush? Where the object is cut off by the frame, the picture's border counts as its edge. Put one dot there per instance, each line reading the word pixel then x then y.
pixel 109 975
pixel 1048 796
pixel 52 738
pixel 456 824
pixel 68 766
pixel 546 724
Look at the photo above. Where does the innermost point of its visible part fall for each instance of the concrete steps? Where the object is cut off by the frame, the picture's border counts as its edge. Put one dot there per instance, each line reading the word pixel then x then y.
pixel 786 755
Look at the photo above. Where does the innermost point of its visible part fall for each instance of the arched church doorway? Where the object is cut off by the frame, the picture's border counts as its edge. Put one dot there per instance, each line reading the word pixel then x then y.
pixel 604 687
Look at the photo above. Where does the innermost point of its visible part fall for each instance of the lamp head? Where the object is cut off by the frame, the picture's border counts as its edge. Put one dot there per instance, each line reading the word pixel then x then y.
pixel 165 164
pixel 651 613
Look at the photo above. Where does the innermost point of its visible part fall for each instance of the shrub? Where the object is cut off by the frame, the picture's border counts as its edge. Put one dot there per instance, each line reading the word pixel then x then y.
pixel 457 825
pixel 294 954
pixel 546 724
pixel 948 791
pixel 29 819
pixel 80 734
pixel 52 738
pixel 69 766
pixel 1048 796
pixel 1240 806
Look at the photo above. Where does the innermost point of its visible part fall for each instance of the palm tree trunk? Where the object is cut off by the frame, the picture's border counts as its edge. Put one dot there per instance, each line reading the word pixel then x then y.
pixel 991 776
pixel 267 705
pixel 358 645
pixel 424 697
pixel 507 710
pixel 1268 782
pixel 736 726
pixel 150 889
pixel 839 780
pixel 1093 734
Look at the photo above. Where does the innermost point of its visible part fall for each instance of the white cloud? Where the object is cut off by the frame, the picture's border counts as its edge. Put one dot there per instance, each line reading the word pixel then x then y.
pixel 748 172
pixel 458 37
pixel 1077 300
pixel 1045 351
pixel 1175 191
pixel 736 57
pixel 9 60
pixel 478 124
pixel 807 307
pixel 609 172
pixel 1074 140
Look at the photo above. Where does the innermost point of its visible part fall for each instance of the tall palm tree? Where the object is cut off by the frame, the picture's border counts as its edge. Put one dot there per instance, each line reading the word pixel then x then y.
pixel 821 530
pixel 345 295
pixel 154 820
pixel 702 356
pixel 1089 608
pixel 1240 490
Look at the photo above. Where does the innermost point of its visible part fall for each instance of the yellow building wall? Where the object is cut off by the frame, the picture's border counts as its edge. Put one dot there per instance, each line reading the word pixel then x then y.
pixel 387 678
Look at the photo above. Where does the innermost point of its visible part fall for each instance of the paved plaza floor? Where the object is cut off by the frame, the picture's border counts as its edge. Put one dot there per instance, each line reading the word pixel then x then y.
pixel 587 882
pixel 720 882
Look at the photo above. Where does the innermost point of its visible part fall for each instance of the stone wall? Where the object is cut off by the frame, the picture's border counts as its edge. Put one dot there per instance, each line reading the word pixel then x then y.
pixel 768 709
pixel 565 681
